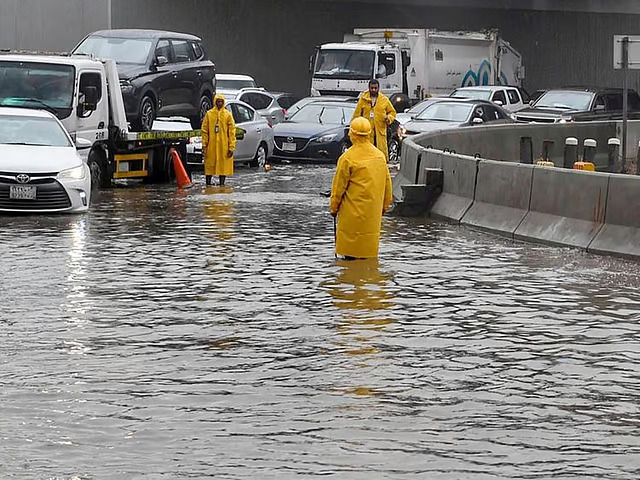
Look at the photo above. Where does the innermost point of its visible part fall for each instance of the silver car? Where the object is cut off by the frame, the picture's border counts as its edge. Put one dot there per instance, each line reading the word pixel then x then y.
pixel 272 106
pixel 254 137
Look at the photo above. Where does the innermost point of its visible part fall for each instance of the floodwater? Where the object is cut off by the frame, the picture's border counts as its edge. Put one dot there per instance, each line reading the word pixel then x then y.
pixel 210 333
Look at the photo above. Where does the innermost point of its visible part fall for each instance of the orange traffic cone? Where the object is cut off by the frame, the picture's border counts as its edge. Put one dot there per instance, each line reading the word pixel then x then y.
pixel 181 174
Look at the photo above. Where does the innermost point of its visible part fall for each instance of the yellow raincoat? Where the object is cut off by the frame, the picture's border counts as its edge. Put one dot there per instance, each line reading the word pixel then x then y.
pixel 216 145
pixel 381 111
pixel 360 193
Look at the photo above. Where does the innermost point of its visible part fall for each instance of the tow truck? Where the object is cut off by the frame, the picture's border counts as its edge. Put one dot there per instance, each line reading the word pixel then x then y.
pixel 84 93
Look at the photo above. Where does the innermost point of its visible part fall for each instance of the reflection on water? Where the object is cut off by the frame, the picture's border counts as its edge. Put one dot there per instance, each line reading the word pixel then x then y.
pixel 210 332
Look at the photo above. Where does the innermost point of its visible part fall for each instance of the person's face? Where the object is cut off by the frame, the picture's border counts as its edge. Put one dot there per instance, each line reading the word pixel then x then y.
pixel 373 90
pixel 219 103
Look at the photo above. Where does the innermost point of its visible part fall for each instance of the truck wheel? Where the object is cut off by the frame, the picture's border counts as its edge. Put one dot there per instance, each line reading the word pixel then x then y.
pixel 100 174
pixel 204 105
pixel 144 123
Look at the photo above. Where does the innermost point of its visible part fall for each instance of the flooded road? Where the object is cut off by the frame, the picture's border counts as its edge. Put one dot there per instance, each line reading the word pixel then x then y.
pixel 210 333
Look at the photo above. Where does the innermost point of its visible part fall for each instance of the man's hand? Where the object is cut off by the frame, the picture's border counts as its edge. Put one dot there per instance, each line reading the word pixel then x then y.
pixel 386 120
pixel 230 154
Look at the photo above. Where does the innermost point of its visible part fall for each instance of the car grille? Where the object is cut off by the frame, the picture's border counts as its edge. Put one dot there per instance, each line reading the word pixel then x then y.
pixel 300 142
pixel 526 118
pixel 50 194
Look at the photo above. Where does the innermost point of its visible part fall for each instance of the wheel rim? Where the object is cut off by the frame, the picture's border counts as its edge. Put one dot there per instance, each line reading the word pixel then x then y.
pixel 147 114
pixel 393 151
pixel 205 106
pixel 262 156
pixel 344 148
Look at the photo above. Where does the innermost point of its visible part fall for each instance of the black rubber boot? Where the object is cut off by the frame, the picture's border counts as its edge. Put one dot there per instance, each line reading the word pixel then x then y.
pixel 207 179
pixel 222 179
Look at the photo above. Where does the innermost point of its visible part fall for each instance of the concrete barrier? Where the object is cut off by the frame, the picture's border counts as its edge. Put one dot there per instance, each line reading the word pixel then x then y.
pixel 459 184
pixel 567 207
pixel 502 196
pixel 620 234
pixel 409 157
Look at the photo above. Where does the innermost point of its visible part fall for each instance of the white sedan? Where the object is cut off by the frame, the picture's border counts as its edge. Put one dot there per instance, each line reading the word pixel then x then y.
pixel 254 137
pixel 40 169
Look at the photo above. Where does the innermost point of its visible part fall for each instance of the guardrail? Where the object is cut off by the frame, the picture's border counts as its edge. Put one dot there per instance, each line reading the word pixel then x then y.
pixel 487 185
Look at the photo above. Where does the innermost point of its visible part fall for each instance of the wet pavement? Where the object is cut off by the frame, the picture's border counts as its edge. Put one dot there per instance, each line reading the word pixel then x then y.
pixel 210 333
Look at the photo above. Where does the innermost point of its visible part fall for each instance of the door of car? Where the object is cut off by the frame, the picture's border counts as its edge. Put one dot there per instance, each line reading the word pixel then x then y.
pixel 163 82
pixel 187 82
pixel 251 123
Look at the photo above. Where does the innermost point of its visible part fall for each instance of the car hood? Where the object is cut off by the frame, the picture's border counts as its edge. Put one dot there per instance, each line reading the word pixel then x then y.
pixel 403 118
pixel 546 112
pixel 127 71
pixel 306 130
pixel 427 126
pixel 32 159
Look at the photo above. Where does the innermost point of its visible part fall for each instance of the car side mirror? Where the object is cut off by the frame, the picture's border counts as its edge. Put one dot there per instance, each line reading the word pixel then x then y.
pixel 380 75
pixel 82 143
pixel 598 108
pixel 477 121
pixel 161 60
pixel 405 110
pixel 498 102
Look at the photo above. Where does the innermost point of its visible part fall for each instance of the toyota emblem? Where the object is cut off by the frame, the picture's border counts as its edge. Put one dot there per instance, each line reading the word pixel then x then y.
pixel 290 139
pixel 23 178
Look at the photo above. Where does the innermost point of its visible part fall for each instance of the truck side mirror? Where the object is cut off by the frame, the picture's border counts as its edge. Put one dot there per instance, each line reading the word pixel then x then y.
pixel 88 100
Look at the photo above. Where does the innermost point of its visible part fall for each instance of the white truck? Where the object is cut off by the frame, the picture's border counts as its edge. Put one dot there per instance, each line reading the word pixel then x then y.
pixel 413 64
pixel 84 93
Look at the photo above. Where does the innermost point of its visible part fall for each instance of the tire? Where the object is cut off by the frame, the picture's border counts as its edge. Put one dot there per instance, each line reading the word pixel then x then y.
pixel 204 105
pixel 343 148
pixel 260 159
pixel 394 150
pixel 147 111
pixel 100 172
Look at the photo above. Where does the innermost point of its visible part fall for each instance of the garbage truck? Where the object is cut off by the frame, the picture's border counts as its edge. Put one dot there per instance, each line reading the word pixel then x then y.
pixel 84 93
pixel 413 64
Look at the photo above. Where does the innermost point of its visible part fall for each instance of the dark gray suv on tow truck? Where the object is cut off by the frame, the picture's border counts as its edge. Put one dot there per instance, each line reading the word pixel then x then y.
pixel 161 73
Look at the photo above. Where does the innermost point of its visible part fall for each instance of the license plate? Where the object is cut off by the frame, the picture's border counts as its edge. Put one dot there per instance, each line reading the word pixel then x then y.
pixel 22 192
pixel 288 147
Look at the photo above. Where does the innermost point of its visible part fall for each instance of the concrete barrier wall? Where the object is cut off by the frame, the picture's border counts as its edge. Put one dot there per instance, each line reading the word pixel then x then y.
pixel 567 207
pixel 459 184
pixel 621 232
pixel 502 196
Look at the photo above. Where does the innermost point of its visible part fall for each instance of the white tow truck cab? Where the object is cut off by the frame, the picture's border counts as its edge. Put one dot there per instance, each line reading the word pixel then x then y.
pixel 84 93
pixel 414 64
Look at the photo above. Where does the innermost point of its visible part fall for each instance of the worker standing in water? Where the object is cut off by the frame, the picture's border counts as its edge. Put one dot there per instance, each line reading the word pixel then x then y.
pixel 218 141
pixel 360 194
pixel 376 107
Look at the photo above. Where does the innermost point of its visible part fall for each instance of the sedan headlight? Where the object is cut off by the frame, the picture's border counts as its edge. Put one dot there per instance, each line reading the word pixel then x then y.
pixel 126 86
pixel 326 138
pixel 76 173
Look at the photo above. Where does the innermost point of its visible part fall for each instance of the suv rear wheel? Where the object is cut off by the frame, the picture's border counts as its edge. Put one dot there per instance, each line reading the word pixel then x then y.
pixel 204 105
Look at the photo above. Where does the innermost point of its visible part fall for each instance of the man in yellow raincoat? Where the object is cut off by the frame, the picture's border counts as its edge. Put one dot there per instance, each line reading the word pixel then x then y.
pixel 360 194
pixel 376 106
pixel 218 141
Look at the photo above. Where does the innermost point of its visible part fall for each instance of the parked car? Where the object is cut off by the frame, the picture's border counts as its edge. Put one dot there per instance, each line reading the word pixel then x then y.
pixel 455 112
pixel 254 137
pixel 40 169
pixel 272 106
pixel 316 132
pixel 161 73
pixel 303 101
pixel 511 99
pixel 230 84
pixel 576 104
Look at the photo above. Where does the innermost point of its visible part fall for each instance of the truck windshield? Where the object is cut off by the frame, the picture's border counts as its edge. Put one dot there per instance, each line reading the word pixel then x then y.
pixel 37 85
pixel 122 50
pixel 348 64
pixel 565 100
pixel 26 130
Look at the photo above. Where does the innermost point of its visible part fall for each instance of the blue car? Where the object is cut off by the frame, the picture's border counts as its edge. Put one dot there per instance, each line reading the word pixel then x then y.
pixel 316 132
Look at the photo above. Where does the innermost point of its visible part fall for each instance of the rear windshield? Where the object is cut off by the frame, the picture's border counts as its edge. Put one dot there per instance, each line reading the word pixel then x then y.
pixel 473 93
pixel 122 50
pixel 24 130
pixel 234 84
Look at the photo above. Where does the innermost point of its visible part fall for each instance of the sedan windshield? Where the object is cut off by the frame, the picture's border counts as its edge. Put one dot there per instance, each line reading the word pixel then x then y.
pixel 447 112
pixel 37 85
pixel 25 130
pixel 122 50
pixel 565 100
pixel 323 114
pixel 350 64
pixel 473 93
